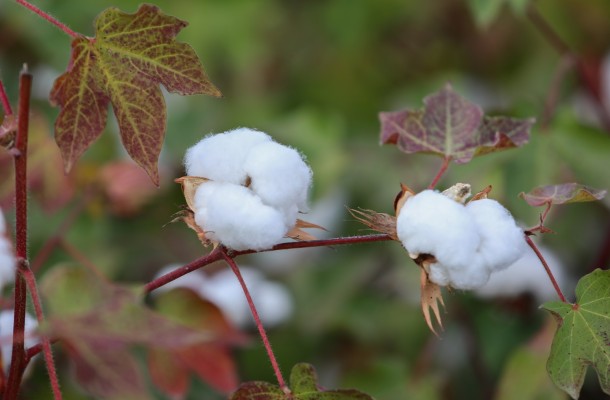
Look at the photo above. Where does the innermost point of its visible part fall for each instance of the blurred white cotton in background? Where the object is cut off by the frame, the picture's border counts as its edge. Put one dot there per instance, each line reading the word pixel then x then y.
pixel 526 275
pixel 272 300
pixel 7 257
pixel 6 334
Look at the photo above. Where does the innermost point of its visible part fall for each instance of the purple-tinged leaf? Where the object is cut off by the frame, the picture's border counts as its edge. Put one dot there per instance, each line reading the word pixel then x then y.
pixel 453 127
pixel 562 194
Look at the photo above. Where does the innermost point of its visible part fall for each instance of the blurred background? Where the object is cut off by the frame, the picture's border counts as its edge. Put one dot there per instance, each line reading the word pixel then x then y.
pixel 315 74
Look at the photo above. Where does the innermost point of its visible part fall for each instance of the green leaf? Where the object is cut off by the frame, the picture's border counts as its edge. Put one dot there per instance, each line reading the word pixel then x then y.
pixel 452 127
pixel 304 385
pixel 562 194
pixel 123 65
pixel 583 335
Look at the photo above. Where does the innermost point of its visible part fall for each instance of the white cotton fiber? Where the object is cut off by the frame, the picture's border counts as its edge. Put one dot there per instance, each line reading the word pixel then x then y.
pixel 431 223
pixel 278 174
pixel 7 257
pixel 221 157
pixel 236 217
pixel 469 242
pixel 502 241
pixel 255 191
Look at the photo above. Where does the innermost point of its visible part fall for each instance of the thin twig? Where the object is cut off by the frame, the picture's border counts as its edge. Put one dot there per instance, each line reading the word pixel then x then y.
pixel 46 345
pixel 49 18
pixel 4 100
pixel 546 268
pixel 440 172
pixel 257 321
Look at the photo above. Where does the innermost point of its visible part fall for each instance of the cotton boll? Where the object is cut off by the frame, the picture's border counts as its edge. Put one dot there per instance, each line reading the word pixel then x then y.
pixel 6 332
pixel 502 241
pixel 221 157
pixel 434 224
pixel 473 275
pixel 438 274
pixel 234 216
pixel 279 176
pixel 526 275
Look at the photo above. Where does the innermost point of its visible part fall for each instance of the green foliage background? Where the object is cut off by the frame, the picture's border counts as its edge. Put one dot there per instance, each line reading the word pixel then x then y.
pixel 314 75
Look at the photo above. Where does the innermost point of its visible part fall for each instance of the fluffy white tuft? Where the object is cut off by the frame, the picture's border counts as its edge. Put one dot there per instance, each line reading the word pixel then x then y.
pixel 221 157
pixel 6 331
pixel 257 188
pixel 279 175
pixel 469 242
pixel 234 216
pixel 273 301
pixel 7 257
pixel 431 223
pixel 502 241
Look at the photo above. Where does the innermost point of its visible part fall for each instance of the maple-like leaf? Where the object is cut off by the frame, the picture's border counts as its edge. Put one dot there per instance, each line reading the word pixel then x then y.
pixel 303 384
pixel 583 335
pixel 124 64
pixel 562 194
pixel 98 323
pixel 452 127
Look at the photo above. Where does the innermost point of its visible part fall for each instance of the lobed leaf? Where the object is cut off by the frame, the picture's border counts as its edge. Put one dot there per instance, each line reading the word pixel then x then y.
pixel 582 336
pixel 304 385
pixel 453 127
pixel 131 55
pixel 562 194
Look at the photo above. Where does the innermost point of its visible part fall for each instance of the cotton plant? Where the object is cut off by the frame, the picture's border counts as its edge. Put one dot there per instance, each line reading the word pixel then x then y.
pixel 245 191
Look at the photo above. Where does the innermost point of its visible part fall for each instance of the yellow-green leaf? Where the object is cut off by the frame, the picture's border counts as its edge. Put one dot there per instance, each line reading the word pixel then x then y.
pixel 131 55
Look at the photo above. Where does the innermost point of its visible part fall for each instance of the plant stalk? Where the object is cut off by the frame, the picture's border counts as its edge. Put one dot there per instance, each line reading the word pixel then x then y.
pixel 49 18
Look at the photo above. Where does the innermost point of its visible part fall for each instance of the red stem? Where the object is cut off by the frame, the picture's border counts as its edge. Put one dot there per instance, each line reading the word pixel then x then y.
pixel 21 234
pixel 49 18
pixel 46 345
pixel 259 324
pixel 546 267
pixel 440 173
pixel 4 100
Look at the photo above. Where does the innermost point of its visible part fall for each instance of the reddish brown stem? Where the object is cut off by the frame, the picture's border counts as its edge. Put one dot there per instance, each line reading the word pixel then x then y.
pixel 4 100
pixel 546 268
pixel 21 233
pixel 440 172
pixel 46 345
pixel 215 255
pixel 257 321
pixel 49 18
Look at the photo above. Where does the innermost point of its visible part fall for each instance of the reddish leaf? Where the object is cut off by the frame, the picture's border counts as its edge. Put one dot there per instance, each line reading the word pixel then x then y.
pixel 168 373
pixel 124 64
pixel 211 361
pixel 562 194
pixel 99 323
pixel 126 187
pixel 453 127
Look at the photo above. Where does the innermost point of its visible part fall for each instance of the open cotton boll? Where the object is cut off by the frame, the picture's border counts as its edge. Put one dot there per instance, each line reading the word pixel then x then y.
pixel 221 157
pixel 526 275
pixel 431 223
pixel 502 241
pixel 278 174
pixel 234 216
pixel 6 332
